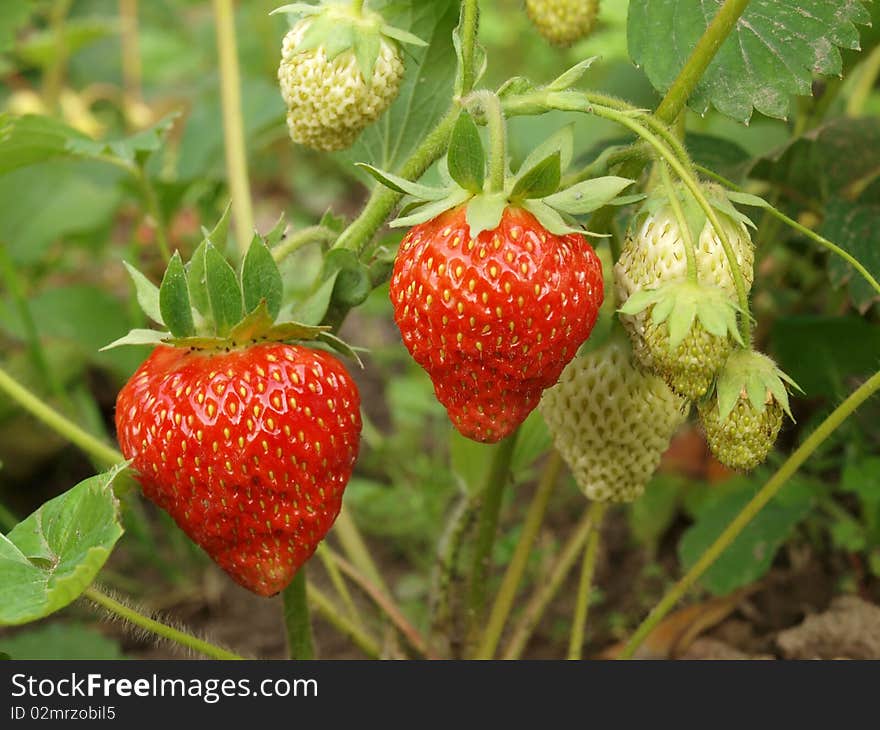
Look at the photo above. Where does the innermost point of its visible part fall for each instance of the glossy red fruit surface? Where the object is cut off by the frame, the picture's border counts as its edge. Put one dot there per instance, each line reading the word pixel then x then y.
pixel 493 320
pixel 249 451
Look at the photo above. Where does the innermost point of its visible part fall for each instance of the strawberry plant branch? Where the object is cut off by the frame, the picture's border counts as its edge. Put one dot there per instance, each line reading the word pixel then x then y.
pixel 517 566
pixel 157 627
pixel 748 513
pixel 545 593
pixel 338 582
pixel 129 42
pixel 65 427
pixel 303 237
pixel 821 240
pixel 356 549
pixel 470 27
pixel 487 527
pixel 296 618
pixel 710 42
pixel 233 123
pixel 54 77
pixel 585 587
pixel 490 106
pixel 324 606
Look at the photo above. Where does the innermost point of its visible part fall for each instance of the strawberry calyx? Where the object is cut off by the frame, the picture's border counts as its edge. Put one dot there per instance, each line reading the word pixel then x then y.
pixel 683 303
pixel 535 187
pixel 753 378
pixel 338 27
pixel 205 304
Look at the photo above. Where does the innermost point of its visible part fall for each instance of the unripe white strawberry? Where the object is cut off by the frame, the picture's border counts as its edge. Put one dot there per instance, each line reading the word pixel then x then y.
pixel 562 22
pixel 654 255
pixel 611 422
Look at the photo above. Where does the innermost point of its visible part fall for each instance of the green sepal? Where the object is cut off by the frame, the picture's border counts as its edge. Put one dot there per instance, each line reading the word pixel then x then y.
pixel 219 236
pixel 401 35
pixel 561 141
pixel 484 212
pixel 587 196
pixel 139 337
pixel 552 219
pixel 754 376
pixel 366 47
pixel 466 158
pixel 332 341
pixel 432 210
pixel 541 180
pixel 174 302
pixel 297 9
pixel 276 235
pixel 224 291
pixel 260 279
pixel 352 285
pixel 147 294
pixel 569 78
pixel 198 282
pixel 402 185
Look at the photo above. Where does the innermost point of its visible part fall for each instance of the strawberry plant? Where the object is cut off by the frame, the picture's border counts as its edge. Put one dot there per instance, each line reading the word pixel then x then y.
pixel 350 301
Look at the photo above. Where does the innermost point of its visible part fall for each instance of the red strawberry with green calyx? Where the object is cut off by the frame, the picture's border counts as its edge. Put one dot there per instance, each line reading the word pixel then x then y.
pixel 494 290
pixel 247 441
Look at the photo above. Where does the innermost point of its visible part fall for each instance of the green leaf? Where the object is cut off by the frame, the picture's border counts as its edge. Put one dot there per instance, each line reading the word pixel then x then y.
pixel 273 237
pixel 14 14
pixel 174 300
pixel 52 556
pixel 133 149
pixel 561 141
pixel 751 554
pixel 224 291
pixel 61 641
pixel 570 77
pixel 352 278
pixel 30 139
pixel 431 210
pixel 313 309
pixel 653 514
pixel 401 185
pixel 773 52
pixel 862 477
pixel 853 227
pixel 466 158
pixel 220 235
pixel 139 337
pixel 539 181
pixel 484 212
pixel 147 294
pixel 44 48
pixel 587 196
pixel 261 279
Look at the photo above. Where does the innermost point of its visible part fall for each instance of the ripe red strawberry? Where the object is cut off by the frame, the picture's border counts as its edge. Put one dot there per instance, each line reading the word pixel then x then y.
pixel 493 319
pixel 248 450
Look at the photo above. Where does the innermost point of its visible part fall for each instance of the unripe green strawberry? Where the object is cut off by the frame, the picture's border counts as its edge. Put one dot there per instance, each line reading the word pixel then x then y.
pixel 743 415
pixel 562 22
pixel 329 102
pixel 654 255
pixel 611 422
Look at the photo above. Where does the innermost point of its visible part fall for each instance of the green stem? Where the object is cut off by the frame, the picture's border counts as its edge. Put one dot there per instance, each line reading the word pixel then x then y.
pixel 327 560
pixel 67 428
pixel 490 105
pixel 54 78
pixel 682 224
pixel 869 69
pixel 296 618
pixel 517 567
pixel 156 627
pixel 821 240
pixel 324 606
pixel 710 42
pixel 356 549
pixel 233 123
pixel 129 40
pixel 470 21
pixel 547 590
pixel 298 239
pixel 585 588
pixel 487 527
pixel 748 513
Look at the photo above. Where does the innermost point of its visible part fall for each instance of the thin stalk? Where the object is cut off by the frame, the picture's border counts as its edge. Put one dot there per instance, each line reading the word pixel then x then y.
pixel 72 432
pixel 326 557
pixel 545 593
pixel 131 51
pixel 53 81
pixel 357 551
pixel 869 70
pixel 585 589
pixel 296 240
pixel 517 567
pixel 683 226
pixel 324 606
pixel 151 201
pixel 233 123
pixel 710 42
pixel 491 107
pixel 748 513
pixel 157 627
pixel 296 618
pixel 487 527
pixel 470 20
pixel 821 240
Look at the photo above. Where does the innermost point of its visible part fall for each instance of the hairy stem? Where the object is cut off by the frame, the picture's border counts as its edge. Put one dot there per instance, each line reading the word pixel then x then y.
pixel 296 618
pixel 487 527
pixel 491 107
pixel 296 240
pixel 585 588
pixel 748 513
pixel 233 123
pixel 517 567
pixel 470 21
pixel 157 627
pixel 710 42
pixel 547 590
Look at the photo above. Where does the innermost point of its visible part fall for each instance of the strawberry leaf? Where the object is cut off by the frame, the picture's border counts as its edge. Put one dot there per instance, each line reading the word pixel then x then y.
pixel 539 181
pixel 224 292
pixel 147 294
pixel 261 279
pixel 466 158
pixel 174 302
